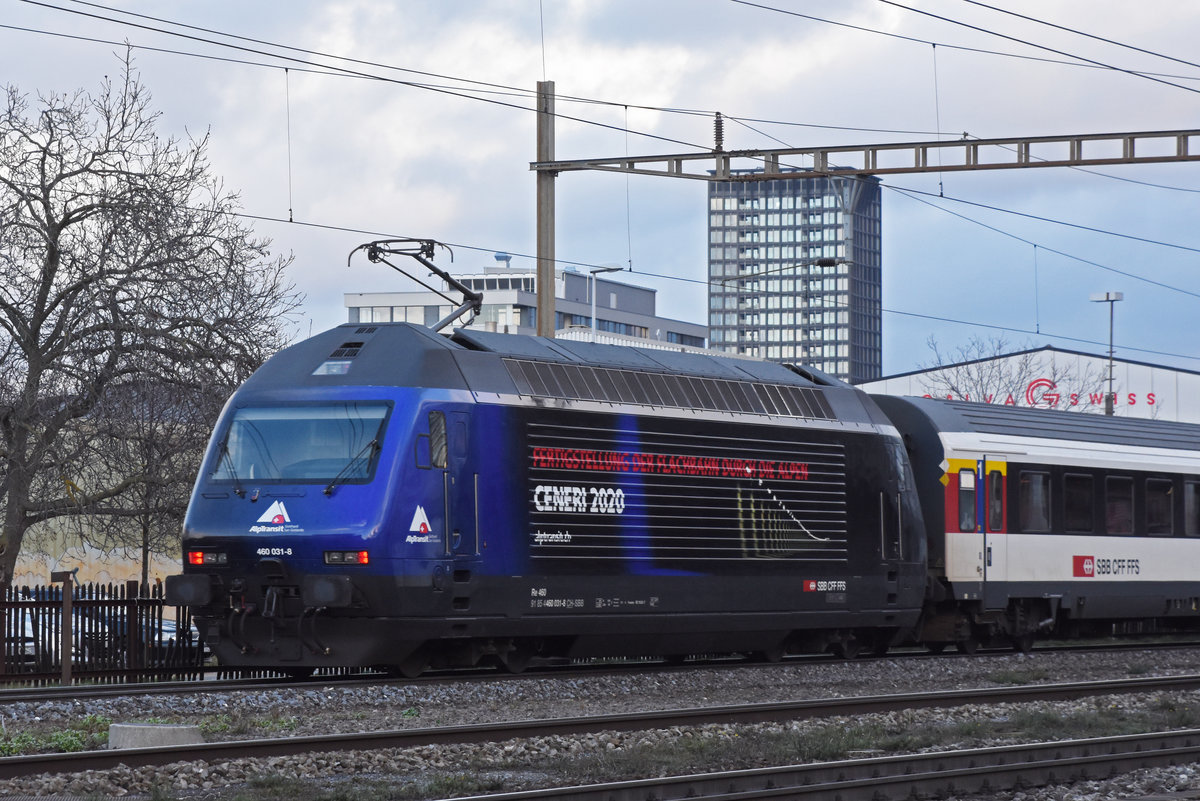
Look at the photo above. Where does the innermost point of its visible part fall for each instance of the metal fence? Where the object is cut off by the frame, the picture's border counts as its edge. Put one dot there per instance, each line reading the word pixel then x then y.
pixel 117 632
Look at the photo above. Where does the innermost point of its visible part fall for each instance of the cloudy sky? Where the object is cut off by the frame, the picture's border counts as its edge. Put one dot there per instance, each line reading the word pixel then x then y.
pixel 428 132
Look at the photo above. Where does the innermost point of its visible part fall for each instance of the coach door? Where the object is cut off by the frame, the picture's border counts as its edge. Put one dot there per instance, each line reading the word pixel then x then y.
pixel 992 476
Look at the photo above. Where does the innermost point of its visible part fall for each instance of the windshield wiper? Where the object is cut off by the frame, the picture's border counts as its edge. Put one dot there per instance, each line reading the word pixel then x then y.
pixel 227 457
pixel 371 446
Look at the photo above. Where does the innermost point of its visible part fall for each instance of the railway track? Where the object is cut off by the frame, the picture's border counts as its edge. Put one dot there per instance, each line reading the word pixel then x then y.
pixel 11 767
pixel 55 692
pixel 945 774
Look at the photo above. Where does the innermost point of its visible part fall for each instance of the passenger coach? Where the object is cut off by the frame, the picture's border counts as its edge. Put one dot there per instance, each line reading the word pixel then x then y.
pixel 1052 521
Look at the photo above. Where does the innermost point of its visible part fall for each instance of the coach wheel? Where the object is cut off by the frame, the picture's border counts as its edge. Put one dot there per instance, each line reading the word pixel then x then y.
pixel 936 647
pixel 1023 643
pixel 967 646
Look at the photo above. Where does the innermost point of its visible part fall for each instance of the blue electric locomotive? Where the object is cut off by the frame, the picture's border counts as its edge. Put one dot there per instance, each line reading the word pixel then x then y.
pixel 385 495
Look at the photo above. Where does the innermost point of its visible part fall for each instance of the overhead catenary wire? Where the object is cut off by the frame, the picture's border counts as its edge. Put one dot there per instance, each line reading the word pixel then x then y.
pixel 523 92
pixel 947 45
pixel 662 276
pixel 1047 48
pixel 1078 32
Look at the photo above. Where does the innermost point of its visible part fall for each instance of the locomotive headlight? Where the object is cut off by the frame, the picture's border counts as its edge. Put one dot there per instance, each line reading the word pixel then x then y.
pixel 347 558
pixel 201 558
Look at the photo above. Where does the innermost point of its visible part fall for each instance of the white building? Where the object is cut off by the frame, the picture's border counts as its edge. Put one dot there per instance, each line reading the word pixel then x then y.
pixel 510 306
pixel 1061 379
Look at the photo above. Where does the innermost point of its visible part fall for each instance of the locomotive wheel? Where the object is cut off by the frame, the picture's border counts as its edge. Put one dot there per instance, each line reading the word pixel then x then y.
pixel 967 646
pixel 1023 643
pixel 773 654
pixel 517 660
pixel 847 647
pixel 412 665
pixel 935 647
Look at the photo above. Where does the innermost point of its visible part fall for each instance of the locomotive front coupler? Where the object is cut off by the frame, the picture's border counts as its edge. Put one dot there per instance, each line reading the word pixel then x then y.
pixel 315 646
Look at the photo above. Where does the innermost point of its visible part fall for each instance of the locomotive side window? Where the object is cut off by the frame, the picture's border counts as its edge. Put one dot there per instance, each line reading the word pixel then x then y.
pixel 1160 493
pixel 1191 508
pixel 437 438
pixel 1034 501
pixel 1118 505
pixel 995 490
pixel 966 500
pixel 1079 501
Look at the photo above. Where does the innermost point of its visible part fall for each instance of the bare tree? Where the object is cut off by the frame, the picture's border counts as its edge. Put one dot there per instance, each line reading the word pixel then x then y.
pixel 987 371
pixel 156 428
pixel 121 261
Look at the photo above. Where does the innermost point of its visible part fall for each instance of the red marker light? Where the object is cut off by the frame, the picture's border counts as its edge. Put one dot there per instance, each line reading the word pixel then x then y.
pixel 347 558
pixel 195 557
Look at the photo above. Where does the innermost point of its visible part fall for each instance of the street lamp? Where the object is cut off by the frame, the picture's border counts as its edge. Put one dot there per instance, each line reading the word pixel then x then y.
pixel 1111 299
pixel 592 284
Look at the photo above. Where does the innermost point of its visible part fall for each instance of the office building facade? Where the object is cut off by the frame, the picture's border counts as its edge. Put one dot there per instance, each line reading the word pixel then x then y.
pixel 625 313
pixel 795 271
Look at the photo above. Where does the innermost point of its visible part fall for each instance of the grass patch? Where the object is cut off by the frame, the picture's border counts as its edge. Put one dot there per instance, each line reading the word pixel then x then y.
pixel 237 723
pixel 88 733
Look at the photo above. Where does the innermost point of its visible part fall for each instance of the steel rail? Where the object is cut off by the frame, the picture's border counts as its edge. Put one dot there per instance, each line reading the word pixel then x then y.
pixel 11 767
pixel 939 774
pixel 56 692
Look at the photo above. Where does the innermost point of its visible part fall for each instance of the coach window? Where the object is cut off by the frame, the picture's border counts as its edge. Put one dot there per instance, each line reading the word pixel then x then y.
pixel 1078 503
pixel 995 495
pixel 1159 494
pixel 1191 508
pixel 1034 501
pixel 966 500
pixel 1118 505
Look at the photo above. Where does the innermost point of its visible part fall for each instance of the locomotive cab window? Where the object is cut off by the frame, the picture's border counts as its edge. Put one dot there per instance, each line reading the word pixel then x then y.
pixel 1118 505
pixel 1160 495
pixel 966 500
pixel 1034 501
pixel 302 444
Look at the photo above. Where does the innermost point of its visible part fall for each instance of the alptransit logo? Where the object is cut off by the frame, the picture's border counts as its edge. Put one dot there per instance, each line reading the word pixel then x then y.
pixel 278 518
pixel 420 524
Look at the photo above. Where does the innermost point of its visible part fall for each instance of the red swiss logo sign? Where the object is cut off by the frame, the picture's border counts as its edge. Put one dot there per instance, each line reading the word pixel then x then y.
pixel 1085 566
pixel 810 585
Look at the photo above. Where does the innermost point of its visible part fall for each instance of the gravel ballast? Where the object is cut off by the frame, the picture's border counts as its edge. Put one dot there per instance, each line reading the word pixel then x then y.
pixel 520 764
